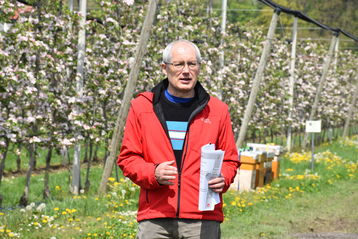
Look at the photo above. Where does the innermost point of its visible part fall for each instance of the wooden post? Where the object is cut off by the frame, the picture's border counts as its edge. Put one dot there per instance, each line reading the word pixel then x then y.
pixel 258 77
pixel 351 110
pixel 326 64
pixel 222 52
pixel 81 47
pixel 128 93
pixel 292 83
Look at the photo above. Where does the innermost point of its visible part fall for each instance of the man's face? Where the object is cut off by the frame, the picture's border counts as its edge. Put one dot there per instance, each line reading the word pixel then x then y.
pixel 183 70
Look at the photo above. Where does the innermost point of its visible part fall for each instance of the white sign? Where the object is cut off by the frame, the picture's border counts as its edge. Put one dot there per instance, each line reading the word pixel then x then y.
pixel 313 126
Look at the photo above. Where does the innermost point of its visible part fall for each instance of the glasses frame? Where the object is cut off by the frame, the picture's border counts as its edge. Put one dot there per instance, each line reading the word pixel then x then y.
pixel 179 66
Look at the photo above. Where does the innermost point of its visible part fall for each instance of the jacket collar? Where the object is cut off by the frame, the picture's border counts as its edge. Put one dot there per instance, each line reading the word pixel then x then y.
pixel 200 92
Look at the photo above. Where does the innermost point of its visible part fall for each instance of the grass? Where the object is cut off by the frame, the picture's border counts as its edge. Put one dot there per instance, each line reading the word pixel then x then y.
pixel 300 201
pixel 331 209
pixel 41 152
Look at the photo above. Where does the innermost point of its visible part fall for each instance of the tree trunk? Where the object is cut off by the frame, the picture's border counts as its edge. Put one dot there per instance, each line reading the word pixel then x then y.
pixel 86 149
pixel 18 158
pixel 95 152
pixel 3 158
pixel 24 199
pixel 46 192
pixel 89 162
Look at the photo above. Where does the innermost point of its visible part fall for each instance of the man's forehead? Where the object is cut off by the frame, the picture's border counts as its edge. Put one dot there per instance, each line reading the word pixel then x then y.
pixel 183 46
pixel 183 49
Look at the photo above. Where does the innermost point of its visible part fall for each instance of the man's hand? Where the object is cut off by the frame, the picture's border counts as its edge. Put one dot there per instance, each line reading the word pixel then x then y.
pixel 217 184
pixel 164 173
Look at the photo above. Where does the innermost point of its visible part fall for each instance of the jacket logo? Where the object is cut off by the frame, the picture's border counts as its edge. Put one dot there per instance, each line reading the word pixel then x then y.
pixel 206 121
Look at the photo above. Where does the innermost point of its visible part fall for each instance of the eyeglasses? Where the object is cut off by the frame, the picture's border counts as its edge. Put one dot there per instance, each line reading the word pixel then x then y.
pixel 180 65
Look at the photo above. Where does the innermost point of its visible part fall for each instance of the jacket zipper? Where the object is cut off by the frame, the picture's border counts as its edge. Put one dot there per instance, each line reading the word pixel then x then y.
pixel 158 111
pixel 186 143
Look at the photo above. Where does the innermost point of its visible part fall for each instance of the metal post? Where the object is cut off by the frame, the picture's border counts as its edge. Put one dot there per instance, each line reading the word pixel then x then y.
pixel 292 83
pixel 258 77
pixel 326 65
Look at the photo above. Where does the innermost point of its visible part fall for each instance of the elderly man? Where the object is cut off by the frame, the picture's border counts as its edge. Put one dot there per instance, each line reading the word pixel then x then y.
pixel 160 152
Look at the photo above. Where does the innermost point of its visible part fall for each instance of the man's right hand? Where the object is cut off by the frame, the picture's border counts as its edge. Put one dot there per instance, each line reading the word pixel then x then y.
pixel 165 173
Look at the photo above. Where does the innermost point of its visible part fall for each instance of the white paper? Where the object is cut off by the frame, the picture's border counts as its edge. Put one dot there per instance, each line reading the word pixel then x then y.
pixel 210 167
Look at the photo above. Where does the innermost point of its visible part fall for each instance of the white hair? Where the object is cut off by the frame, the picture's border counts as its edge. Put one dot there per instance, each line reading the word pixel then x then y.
pixel 167 53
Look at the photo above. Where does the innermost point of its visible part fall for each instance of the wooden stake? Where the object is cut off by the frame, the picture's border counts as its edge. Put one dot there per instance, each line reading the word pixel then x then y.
pixel 351 110
pixel 70 5
pixel 122 115
pixel 258 77
pixel 81 47
pixel 292 83
pixel 326 65
pixel 222 52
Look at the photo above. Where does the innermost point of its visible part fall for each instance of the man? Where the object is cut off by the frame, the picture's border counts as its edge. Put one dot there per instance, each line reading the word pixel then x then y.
pixel 161 149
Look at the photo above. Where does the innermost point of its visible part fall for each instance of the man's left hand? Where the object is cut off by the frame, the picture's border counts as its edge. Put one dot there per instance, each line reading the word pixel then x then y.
pixel 217 184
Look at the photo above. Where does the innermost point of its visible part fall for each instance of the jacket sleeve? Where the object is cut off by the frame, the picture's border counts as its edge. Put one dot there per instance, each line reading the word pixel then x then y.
pixel 131 158
pixel 226 142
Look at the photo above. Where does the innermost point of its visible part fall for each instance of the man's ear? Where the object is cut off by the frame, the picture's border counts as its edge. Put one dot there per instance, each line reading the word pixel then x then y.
pixel 164 68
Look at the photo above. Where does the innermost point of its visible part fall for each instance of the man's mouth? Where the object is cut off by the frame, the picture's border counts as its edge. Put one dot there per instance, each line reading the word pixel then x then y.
pixel 185 79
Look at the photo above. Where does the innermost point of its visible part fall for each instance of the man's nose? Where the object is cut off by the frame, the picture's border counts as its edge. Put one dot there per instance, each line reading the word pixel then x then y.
pixel 186 68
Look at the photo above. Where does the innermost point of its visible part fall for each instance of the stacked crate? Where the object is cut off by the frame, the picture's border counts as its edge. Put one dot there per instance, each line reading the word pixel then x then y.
pixel 273 152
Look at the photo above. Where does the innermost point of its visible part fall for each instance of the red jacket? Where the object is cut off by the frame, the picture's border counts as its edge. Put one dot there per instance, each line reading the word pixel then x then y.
pixel 146 144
